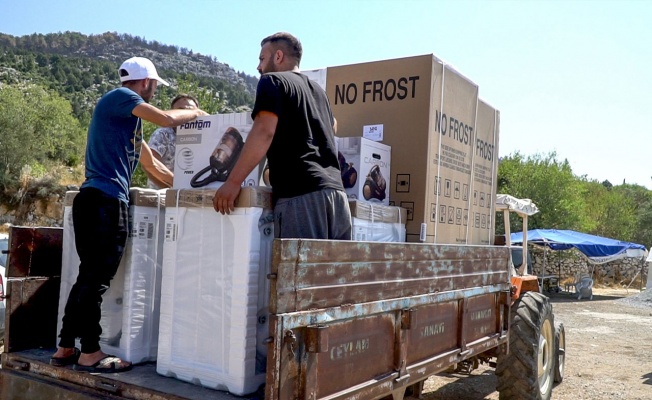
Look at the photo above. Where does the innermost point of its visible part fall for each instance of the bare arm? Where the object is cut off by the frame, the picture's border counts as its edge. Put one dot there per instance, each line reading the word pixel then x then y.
pixel 156 155
pixel 155 170
pixel 255 148
pixel 166 118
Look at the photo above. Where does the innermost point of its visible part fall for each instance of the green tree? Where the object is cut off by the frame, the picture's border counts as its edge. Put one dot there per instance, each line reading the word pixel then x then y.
pixel 549 183
pixel 608 211
pixel 37 128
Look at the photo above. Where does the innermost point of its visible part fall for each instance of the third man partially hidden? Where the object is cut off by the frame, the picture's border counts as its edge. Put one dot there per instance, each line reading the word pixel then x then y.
pixel 295 127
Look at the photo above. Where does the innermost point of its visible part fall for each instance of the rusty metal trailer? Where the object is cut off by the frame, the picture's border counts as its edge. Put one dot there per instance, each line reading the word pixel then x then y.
pixel 348 320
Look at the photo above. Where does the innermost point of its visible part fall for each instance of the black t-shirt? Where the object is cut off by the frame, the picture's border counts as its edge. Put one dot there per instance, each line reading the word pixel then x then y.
pixel 302 157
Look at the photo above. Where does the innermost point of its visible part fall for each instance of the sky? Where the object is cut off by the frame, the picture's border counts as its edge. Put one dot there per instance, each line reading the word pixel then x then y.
pixel 570 77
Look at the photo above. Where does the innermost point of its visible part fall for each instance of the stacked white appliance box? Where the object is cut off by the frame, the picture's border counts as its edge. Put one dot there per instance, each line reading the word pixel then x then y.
pixel 215 291
pixel 373 222
pixel 130 308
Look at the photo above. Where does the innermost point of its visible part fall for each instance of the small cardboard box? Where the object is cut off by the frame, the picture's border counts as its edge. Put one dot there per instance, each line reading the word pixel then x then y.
pixel 207 149
pixel 365 168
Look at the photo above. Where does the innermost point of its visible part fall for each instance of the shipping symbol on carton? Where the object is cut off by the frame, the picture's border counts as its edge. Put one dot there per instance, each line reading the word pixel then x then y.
pixel 437 186
pixel 456 191
pixel 484 221
pixel 458 216
pixel 466 216
pixel 475 197
pixel 409 206
pixel 465 192
pixel 477 219
pixel 442 214
pixel 451 215
pixel 447 188
pixel 433 212
pixel 402 183
pixel 481 199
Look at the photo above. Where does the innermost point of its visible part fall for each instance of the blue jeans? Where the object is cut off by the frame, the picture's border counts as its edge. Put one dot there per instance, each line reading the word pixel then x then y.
pixel 101 229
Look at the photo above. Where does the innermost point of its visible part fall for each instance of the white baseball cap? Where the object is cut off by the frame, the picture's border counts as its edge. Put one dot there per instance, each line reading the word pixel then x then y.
pixel 137 68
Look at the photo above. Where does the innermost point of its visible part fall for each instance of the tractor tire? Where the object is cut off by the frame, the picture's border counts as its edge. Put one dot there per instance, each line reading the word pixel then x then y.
pixel 560 352
pixel 527 372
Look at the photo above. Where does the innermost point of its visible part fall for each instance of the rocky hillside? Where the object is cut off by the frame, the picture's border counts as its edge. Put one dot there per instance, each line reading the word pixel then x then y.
pixel 81 67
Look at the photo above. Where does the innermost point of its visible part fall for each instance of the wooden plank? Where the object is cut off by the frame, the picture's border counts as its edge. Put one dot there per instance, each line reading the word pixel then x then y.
pixel 313 274
pixel 34 251
pixel 32 306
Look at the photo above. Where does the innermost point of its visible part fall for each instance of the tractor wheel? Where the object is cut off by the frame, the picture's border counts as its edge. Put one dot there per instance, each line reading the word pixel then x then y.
pixel 527 372
pixel 560 352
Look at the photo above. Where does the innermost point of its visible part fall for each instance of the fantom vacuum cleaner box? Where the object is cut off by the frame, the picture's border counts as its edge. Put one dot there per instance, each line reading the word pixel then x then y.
pixel 130 307
pixel 208 148
pixel 215 291
pixel 429 114
pixel 365 166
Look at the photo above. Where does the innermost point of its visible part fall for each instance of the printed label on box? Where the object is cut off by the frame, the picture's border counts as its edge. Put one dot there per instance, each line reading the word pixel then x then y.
pixel 373 132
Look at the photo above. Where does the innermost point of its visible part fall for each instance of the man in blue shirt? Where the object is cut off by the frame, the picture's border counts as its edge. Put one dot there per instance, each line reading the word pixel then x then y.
pixel 100 211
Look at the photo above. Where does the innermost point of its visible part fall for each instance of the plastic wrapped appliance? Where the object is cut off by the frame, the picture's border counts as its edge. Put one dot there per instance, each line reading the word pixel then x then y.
pixel 377 222
pixel 215 292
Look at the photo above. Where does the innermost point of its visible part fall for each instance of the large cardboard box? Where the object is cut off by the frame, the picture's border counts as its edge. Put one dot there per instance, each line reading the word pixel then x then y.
pixel 443 140
pixel 485 170
pixel 207 149
pixel 371 162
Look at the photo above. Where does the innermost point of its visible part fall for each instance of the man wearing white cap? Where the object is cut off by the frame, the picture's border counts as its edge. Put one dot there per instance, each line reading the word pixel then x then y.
pixel 114 148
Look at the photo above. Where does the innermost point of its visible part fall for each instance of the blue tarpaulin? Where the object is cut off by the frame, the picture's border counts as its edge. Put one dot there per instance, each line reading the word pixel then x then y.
pixel 597 249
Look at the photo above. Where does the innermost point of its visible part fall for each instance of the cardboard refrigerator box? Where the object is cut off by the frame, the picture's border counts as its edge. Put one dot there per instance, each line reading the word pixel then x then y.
pixel 366 171
pixel 485 170
pixel 428 113
pixel 207 149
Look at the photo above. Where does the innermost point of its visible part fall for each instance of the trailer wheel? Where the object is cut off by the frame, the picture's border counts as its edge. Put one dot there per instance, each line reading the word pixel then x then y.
pixel 527 372
pixel 560 351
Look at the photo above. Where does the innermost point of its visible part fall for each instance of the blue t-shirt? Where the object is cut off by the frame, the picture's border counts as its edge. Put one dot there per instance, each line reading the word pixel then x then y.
pixel 114 141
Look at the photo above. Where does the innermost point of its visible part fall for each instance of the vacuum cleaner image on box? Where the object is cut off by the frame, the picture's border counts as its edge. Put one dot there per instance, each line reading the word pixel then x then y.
pixel 222 159
pixel 374 185
pixel 348 172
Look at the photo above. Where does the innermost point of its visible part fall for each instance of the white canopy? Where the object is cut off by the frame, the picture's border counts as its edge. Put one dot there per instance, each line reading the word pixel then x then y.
pixel 520 206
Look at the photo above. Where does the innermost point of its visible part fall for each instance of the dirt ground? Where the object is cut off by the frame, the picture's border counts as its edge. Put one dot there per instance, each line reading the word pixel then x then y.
pixel 609 352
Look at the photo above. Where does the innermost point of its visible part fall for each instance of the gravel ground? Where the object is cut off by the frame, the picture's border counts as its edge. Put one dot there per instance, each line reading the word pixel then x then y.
pixel 609 352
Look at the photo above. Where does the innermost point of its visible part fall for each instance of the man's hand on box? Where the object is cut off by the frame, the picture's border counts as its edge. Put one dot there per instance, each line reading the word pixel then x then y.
pixel 224 200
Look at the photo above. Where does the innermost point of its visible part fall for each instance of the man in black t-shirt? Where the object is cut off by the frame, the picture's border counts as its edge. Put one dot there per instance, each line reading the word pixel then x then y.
pixel 294 126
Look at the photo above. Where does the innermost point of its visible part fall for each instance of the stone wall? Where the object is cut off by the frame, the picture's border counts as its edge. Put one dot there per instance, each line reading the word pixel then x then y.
pixel 34 212
pixel 568 263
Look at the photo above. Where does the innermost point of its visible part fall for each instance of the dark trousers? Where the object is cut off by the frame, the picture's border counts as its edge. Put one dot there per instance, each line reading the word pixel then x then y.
pixel 324 214
pixel 101 229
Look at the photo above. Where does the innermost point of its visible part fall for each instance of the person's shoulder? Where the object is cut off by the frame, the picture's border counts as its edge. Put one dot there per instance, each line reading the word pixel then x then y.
pixel 122 93
pixel 281 76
